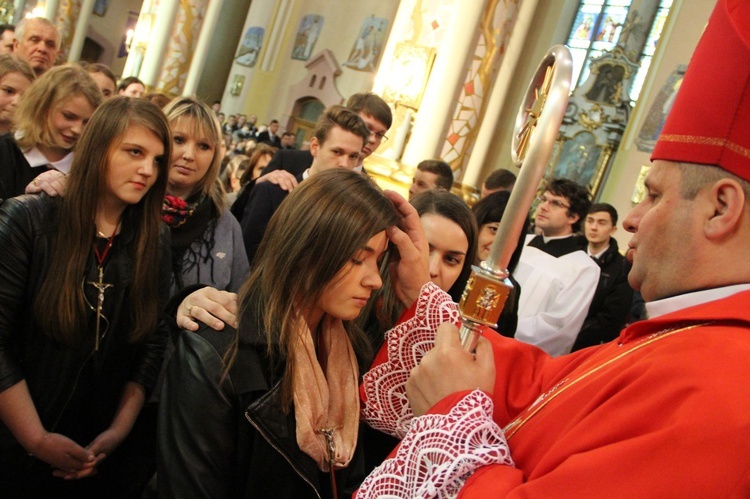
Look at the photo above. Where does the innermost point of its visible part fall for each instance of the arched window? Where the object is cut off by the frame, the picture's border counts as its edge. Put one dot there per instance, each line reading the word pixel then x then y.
pixel 597 27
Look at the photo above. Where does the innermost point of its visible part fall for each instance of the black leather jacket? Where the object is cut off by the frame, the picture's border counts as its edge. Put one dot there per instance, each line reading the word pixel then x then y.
pixel 226 436
pixel 75 390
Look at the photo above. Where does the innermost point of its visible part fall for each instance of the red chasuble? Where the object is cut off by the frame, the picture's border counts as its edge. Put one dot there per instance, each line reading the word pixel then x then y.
pixel 669 419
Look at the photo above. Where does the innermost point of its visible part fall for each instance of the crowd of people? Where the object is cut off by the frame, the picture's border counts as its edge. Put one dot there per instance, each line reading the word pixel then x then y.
pixel 197 306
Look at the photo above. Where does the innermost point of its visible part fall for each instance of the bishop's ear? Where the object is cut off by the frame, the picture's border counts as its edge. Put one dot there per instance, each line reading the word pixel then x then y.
pixel 729 208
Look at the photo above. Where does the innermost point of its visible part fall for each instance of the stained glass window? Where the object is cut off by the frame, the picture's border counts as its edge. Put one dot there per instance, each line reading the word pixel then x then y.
pixel 597 27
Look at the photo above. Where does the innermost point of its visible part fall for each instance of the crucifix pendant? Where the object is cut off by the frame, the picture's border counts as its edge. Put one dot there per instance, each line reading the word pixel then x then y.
pixel 100 285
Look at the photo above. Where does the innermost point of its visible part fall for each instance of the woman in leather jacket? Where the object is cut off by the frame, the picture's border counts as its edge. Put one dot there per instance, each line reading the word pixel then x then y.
pixel 273 410
pixel 81 330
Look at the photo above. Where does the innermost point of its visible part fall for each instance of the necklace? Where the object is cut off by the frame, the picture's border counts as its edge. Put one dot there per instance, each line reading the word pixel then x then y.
pixel 548 396
pixel 100 285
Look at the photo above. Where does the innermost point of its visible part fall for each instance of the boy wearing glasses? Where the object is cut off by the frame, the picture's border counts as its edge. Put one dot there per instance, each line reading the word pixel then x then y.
pixel 557 277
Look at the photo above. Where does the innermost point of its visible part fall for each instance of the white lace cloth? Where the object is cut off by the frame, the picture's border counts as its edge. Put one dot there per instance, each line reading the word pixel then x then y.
pixel 441 451
pixel 387 408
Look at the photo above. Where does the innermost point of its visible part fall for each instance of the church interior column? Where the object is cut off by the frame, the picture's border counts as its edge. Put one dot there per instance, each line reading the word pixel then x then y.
pixel 443 86
pixel 472 177
pixel 208 30
pixel 158 41
pixel 79 33
pixel 185 32
pixel 51 7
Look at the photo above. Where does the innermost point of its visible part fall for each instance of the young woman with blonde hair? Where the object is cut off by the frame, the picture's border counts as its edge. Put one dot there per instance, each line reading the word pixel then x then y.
pixel 207 245
pixel 49 120
pixel 84 277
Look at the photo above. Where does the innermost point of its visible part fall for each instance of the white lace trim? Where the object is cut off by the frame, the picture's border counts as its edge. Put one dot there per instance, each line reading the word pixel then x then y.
pixel 387 408
pixel 440 452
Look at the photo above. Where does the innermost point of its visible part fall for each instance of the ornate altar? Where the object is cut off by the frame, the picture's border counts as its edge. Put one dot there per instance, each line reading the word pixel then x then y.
pixel 594 122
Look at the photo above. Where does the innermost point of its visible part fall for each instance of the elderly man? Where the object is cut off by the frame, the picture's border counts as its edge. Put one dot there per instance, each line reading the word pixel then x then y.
pixel 663 410
pixel 38 43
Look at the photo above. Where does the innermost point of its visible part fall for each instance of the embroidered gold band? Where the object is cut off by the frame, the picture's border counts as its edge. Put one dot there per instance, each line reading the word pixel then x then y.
pixel 707 141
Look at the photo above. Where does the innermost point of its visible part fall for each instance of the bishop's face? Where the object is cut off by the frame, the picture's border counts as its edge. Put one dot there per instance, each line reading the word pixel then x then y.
pixel 663 225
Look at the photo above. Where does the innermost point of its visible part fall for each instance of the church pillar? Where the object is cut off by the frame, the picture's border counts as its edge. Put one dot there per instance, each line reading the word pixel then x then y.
pixel 185 30
pixel 208 30
pixel 157 37
pixel 444 85
pixel 79 32
pixel 256 36
pixel 18 10
pixel 50 9
pixel 485 131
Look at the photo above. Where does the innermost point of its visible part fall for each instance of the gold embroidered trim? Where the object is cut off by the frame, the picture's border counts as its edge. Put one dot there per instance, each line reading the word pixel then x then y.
pixel 548 396
pixel 707 141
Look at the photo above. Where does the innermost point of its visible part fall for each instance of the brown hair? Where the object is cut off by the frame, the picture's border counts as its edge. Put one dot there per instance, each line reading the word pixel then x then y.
pixel 441 169
pixel 97 67
pixel 341 117
pixel 60 304
pixel 258 152
pixel 372 104
pixel 45 96
pixel 311 237
pixel 10 63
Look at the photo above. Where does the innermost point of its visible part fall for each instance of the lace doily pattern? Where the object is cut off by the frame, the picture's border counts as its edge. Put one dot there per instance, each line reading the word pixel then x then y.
pixel 440 452
pixel 386 407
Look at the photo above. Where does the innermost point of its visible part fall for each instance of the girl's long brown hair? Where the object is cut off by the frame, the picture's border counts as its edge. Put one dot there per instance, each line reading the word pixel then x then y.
pixel 315 232
pixel 60 305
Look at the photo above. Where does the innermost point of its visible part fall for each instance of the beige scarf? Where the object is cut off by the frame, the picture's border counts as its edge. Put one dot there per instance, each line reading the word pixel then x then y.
pixel 326 402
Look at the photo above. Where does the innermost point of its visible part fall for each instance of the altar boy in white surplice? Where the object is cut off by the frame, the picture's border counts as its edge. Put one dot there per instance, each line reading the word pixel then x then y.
pixel 557 277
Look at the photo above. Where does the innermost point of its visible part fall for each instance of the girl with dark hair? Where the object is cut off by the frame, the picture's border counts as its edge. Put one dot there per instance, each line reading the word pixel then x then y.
pixel 260 156
pixel 103 76
pixel 207 245
pixel 451 232
pixel 84 280
pixel 131 87
pixel 273 410
pixel 488 212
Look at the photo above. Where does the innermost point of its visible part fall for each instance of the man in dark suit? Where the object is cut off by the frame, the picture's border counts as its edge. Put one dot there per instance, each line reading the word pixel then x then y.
pixel 613 296
pixel 373 110
pixel 269 136
pixel 337 142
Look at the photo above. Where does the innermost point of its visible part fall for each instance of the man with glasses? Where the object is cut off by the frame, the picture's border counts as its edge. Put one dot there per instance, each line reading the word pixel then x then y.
pixel 557 278
pixel 373 110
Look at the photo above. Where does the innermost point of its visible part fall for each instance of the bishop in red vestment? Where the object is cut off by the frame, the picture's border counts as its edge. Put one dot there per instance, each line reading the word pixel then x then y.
pixel 664 410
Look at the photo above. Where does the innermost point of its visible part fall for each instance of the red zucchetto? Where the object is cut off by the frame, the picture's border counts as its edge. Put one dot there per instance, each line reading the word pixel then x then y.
pixel 710 120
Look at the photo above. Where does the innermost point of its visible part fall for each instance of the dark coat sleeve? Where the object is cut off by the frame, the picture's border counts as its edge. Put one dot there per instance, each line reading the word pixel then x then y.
pixel 16 242
pixel 197 434
pixel 609 308
pixel 293 161
pixel 264 200
pixel 15 172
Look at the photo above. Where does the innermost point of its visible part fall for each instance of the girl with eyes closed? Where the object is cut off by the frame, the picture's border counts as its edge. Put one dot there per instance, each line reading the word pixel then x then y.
pixel 273 410
pixel 48 122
